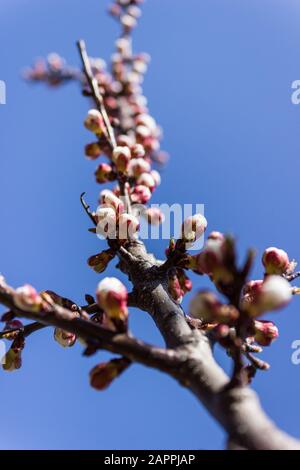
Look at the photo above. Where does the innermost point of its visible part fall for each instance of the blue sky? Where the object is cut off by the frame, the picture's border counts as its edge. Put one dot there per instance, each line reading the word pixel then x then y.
pixel 220 85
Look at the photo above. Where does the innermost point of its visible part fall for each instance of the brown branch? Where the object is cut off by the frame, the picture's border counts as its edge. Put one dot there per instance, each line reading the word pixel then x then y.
pixel 95 91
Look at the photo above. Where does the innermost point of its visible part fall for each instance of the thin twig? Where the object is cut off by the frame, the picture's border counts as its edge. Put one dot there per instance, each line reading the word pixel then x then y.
pixel 96 92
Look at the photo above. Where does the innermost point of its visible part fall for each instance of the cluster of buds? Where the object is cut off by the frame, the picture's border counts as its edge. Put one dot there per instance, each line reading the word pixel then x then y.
pixel 112 297
pixel 260 296
pixel 276 261
pixel 178 285
pixel 112 220
pixel 52 71
pixel 102 375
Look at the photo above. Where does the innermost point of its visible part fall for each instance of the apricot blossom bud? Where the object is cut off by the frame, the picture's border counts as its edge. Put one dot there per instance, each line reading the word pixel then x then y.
pixel 137 166
pixel 156 176
pixel 106 221
pixel 27 298
pixel 103 173
pixel 138 151
pixel 94 121
pixel 275 261
pixel 128 226
pixel 262 296
pixel 207 307
pixel 121 157
pixel 193 228
pixel 275 293
pixel 93 150
pixel 112 297
pixel 108 198
pixel 265 332
pixel 64 338
pixel 140 194
pixel 154 215
pixel 147 180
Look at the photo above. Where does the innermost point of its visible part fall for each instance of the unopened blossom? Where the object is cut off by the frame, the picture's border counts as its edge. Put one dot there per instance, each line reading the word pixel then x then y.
pixel 174 288
pixel 103 173
pixel 128 226
pixel 146 179
pixel 140 194
pixel 154 215
pixel 121 157
pixel 108 198
pixel 265 332
pixel 262 296
pixel 27 298
pixel 193 228
pixel 156 176
pixel 275 293
pixel 211 260
pixel 94 121
pixel 275 261
pixel 64 338
pixel 216 236
pixel 112 298
pixel 106 221
pixel 138 166
pixel 138 151
pixel 93 150
pixel 102 375
pixel 207 307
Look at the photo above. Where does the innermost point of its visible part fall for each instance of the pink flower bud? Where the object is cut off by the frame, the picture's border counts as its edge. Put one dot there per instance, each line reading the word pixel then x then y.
pixel 193 228
pixel 106 221
pixel 174 288
pixel 128 22
pixel 128 226
pixel 216 236
pixel 156 176
pixel 275 293
pixel 147 121
pixel 27 298
pixel 64 338
pixel 137 166
pixel 140 194
pixel 108 198
pixel 262 296
pixel 138 151
pixel 93 150
pixel 103 173
pixel 154 215
pixel 275 261
pixel 94 121
pixel 121 157
pixel 265 332
pixel 211 258
pixel 112 297
pixel 147 180
pixel 207 307
pixel 124 140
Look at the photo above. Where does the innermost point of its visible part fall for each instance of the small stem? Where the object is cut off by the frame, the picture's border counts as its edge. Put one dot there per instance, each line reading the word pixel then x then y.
pixel 96 92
